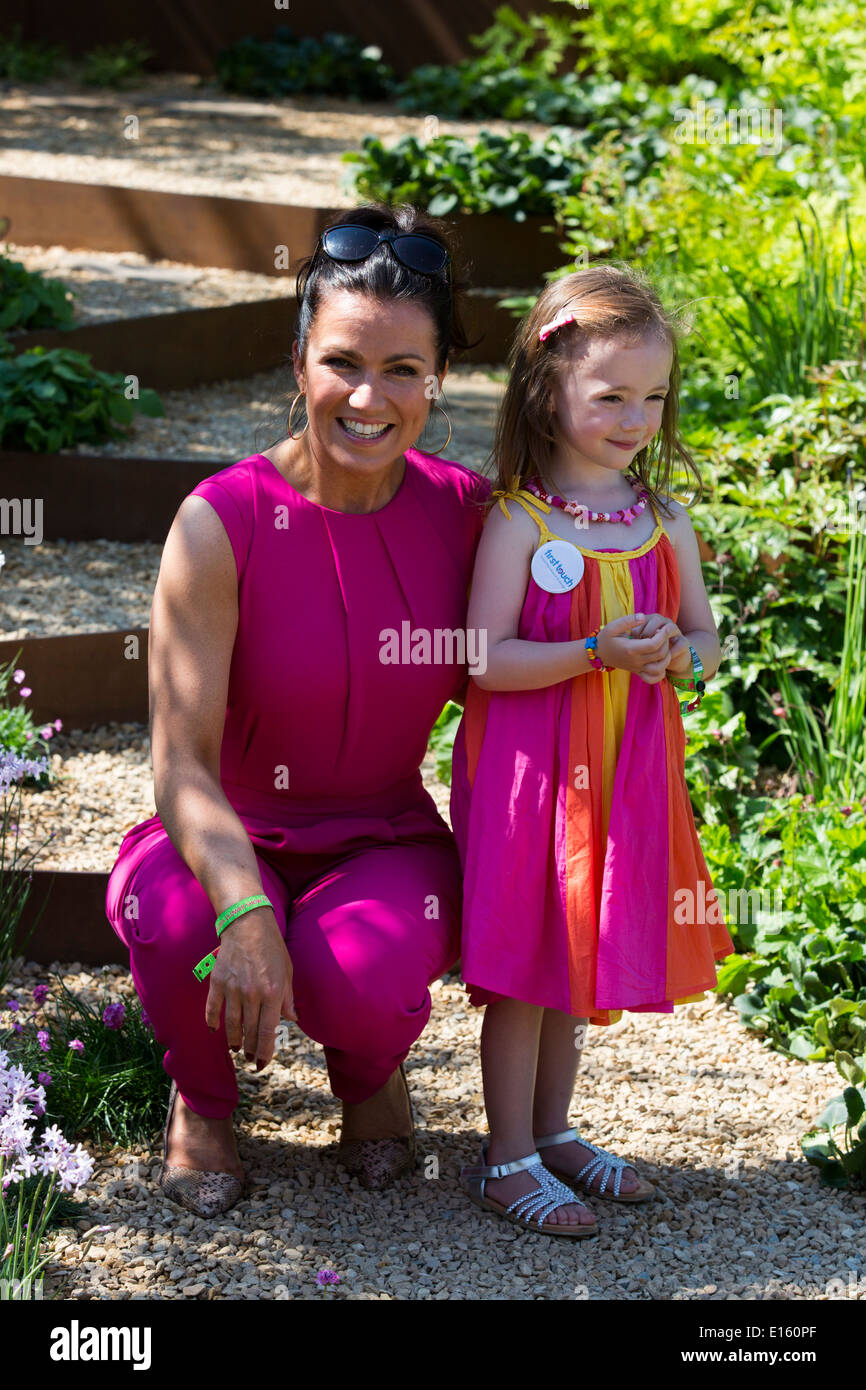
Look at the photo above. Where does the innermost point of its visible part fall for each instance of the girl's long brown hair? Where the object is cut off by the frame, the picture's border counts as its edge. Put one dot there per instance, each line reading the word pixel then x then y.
pixel 607 302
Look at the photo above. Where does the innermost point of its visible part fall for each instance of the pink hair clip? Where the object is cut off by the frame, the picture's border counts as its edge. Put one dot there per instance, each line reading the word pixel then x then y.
pixel 563 317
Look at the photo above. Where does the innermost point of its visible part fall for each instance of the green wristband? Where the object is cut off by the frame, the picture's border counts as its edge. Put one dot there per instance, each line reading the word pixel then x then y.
pixel 238 909
pixel 225 919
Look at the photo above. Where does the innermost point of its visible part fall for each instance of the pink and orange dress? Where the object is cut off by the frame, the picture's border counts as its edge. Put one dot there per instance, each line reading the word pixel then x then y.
pixel 585 888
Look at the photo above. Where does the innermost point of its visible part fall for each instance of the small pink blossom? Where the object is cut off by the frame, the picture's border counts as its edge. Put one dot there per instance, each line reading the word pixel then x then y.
pixel 43 1037
pixel 18 676
pixel 25 691
pixel 76 1045
pixel 48 731
pixel 58 724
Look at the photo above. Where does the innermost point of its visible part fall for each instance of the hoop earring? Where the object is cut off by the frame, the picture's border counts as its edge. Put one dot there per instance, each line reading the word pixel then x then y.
pixel 438 407
pixel 298 397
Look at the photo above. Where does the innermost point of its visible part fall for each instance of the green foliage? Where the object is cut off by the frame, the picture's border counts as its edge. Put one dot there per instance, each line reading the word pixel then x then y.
pixel 788 330
pixel 442 737
pixel 28 300
pixel 115 1089
pixel 721 760
pixel 841 1164
pixel 57 399
pixel 516 174
pixel 284 64
pixel 807 955
pixel 115 65
pixel 27 62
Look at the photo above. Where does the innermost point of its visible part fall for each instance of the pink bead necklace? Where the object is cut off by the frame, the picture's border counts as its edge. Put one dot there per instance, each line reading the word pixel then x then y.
pixel 579 511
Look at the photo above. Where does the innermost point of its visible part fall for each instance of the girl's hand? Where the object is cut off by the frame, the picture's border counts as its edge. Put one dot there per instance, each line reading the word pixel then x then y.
pixel 253 977
pixel 645 656
pixel 678 657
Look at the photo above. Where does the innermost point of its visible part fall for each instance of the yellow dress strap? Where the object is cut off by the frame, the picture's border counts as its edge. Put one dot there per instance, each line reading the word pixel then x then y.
pixel 530 503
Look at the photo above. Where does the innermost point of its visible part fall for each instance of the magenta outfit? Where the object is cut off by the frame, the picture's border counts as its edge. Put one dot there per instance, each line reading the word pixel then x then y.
pixel 320 759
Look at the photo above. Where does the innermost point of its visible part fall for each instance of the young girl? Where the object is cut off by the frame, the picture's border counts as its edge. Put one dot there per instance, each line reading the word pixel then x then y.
pixel 585 889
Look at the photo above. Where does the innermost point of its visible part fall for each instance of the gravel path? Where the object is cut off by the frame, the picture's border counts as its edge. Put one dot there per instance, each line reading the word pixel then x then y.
pixel 198 139
pixel 713 1118
pixel 113 285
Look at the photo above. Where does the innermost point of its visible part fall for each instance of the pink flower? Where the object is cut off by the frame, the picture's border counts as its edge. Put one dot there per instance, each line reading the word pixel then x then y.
pixel 780 712
pixel 40 994
pixel 113 1015
pixel 43 1037
pixel 25 691
pixel 58 724
pixel 76 1045
pixel 48 731
pixel 18 676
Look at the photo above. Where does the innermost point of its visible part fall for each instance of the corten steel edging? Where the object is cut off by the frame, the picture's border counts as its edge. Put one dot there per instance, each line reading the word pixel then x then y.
pixel 192 347
pixel 72 925
pixel 186 347
pixel 84 678
pixel 239 233
pixel 89 497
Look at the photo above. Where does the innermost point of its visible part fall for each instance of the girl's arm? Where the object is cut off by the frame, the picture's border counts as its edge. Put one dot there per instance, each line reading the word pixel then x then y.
pixel 495 604
pixel 695 618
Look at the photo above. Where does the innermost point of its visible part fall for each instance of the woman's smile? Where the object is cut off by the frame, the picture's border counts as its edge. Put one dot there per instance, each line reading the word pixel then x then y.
pixel 364 431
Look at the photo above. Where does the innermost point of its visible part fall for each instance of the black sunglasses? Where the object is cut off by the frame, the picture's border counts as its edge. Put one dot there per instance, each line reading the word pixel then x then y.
pixel 354 242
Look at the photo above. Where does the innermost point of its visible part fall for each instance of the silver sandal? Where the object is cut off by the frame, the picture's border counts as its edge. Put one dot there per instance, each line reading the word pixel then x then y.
pixel 531 1210
pixel 601 1163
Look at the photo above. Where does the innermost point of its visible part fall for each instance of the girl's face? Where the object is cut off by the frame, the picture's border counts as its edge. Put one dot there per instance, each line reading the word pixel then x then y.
pixel 369 375
pixel 608 401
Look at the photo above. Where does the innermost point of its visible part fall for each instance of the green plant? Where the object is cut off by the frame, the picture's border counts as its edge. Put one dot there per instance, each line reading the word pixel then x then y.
pixel 821 318
pixel 115 65
pixel 56 399
pixel 107 1078
pixel 515 174
pixel 284 64
pixel 806 956
pixel 27 62
pixel 841 1164
pixel 441 741
pixel 28 300
pixel 830 753
pixel 20 736
pixel 15 875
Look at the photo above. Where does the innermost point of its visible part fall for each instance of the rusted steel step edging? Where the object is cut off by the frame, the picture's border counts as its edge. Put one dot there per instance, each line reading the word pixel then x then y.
pixel 83 497
pixel 193 347
pixel 84 678
pixel 241 233
pixel 72 925
pixel 184 347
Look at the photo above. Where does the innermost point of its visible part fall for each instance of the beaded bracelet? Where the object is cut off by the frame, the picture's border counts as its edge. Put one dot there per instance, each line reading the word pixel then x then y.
pixel 692 683
pixel 591 645
pixel 225 919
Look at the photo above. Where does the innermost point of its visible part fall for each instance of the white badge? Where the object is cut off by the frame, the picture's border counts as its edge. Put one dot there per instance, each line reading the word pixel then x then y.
pixel 557 566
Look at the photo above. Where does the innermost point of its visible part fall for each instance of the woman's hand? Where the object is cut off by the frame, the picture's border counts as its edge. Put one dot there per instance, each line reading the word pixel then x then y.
pixel 253 977
pixel 645 655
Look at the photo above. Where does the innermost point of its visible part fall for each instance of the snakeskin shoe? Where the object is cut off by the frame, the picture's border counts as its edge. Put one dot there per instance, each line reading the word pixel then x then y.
pixel 376 1163
pixel 205 1192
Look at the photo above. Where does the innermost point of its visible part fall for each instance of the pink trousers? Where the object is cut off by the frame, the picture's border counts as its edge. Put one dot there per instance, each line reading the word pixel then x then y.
pixel 369 924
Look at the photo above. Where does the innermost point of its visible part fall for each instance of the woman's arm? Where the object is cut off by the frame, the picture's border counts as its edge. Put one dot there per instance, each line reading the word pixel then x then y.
pixel 192 631
pixel 495 604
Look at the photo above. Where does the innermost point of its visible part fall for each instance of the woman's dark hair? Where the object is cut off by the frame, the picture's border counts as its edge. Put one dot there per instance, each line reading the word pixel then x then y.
pixel 382 276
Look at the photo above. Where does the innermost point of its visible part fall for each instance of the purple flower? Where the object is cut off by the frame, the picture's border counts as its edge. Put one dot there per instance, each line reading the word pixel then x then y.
pixel 40 994
pixel 76 1045
pixel 13 1006
pixel 17 1027
pixel 43 1037
pixel 18 676
pixel 58 724
pixel 145 1018
pixel 113 1015
pixel 327 1276
pixel 25 691
pixel 39 1111
pixel 44 1078
pixel 48 731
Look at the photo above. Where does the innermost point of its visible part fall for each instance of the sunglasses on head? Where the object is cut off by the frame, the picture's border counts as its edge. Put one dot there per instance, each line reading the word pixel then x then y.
pixel 354 242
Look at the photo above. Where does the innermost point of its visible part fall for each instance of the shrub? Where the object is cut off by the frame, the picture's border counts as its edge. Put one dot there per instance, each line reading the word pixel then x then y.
pixel 284 64
pixel 28 300
pixel 57 399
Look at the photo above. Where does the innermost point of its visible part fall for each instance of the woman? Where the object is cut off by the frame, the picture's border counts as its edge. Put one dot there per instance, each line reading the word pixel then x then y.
pixel 286 738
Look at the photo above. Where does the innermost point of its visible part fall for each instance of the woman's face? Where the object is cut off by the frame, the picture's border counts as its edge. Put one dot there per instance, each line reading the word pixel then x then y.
pixel 369 376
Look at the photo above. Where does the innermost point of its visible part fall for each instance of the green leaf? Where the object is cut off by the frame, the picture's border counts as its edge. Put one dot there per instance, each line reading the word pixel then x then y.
pixel 854 1104
pixel 847 1067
